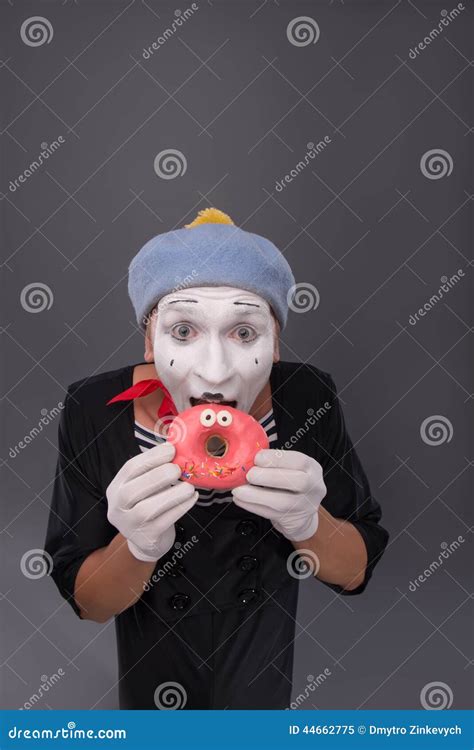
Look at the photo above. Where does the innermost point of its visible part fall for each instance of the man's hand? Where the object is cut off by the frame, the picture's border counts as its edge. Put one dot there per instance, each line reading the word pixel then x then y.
pixel 145 499
pixel 287 488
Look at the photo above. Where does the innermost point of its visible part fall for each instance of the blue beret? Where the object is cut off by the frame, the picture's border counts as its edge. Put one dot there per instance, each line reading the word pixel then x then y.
pixel 209 254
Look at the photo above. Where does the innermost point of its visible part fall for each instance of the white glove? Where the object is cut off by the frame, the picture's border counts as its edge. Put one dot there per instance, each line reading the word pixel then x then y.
pixel 287 488
pixel 146 498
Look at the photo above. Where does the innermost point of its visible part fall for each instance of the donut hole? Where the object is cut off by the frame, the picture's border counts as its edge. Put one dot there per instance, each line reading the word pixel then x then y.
pixel 216 446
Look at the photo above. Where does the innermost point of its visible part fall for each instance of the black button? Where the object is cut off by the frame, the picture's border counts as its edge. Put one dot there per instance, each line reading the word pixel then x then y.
pixel 179 601
pixel 245 528
pixel 247 563
pixel 247 596
pixel 175 570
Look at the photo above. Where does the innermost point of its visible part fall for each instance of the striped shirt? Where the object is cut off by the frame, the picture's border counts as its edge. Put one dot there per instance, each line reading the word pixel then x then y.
pixel 148 439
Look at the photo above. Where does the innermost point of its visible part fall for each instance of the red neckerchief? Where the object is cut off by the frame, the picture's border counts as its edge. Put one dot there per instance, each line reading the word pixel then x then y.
pixel 143 388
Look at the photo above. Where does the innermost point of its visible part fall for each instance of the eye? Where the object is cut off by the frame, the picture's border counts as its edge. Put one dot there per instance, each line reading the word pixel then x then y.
pixel 182 332
pixel 208 417
pixel 224 418
pixel 245 334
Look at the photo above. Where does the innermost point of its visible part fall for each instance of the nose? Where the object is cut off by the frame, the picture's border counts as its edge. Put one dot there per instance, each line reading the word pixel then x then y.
pixel 214 366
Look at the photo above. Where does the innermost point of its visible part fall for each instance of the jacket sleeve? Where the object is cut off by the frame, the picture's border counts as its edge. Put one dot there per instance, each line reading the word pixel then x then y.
pixel 348 492
pixel 77 523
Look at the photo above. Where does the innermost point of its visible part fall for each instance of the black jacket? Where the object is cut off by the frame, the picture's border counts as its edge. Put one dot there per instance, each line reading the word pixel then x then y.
pixel 217 619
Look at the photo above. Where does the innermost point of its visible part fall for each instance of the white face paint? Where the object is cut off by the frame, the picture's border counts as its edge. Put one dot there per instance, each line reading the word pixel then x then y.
pixel 214 344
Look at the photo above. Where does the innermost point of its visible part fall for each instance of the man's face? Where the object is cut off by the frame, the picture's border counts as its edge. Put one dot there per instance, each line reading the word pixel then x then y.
pixel 213 344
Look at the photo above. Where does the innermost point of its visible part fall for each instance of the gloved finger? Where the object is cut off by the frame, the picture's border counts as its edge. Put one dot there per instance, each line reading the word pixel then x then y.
pixel 280 502
pixel 144 462
pixel 280 459
pixel 260 509
pixel 283 479
pixel 159 504
pixel 177 511
pixel 151 483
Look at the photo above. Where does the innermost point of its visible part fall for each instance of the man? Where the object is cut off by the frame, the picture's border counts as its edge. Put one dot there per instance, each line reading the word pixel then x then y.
pixel 203 584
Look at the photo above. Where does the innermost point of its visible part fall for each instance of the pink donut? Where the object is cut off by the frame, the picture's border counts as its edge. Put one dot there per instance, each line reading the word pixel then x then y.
pixel 215 445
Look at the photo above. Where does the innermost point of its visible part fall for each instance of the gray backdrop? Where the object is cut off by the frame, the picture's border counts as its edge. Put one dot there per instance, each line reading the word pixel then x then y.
pixel 370 225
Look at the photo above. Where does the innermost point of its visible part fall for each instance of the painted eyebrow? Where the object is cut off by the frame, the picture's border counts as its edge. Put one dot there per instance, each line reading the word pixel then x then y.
pixel 195 301
pixel 174 301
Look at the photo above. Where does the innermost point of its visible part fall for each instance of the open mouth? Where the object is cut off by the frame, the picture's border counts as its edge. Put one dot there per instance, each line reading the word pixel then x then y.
pixel 198 401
